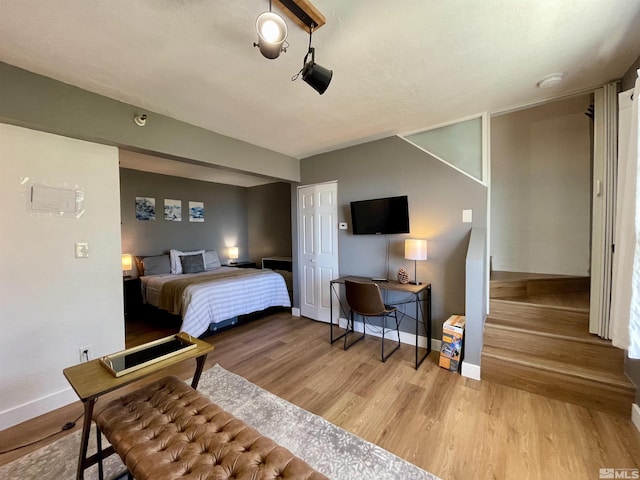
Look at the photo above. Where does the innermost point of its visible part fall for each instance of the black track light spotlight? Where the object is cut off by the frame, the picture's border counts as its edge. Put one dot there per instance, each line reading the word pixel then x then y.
pixel 316 75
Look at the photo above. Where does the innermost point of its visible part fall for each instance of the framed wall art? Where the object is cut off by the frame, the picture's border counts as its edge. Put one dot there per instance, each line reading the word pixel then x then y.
pixel 145 208
pixel 196 211
pixel 172 210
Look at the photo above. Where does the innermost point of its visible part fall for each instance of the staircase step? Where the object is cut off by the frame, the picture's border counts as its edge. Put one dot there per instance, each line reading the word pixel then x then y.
pixel 537 316
pixel 571 347
pixel 540 285
pixel 546 328
pixel 579 384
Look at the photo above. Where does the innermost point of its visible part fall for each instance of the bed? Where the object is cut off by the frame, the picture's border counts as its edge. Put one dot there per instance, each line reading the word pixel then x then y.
pixel 210 295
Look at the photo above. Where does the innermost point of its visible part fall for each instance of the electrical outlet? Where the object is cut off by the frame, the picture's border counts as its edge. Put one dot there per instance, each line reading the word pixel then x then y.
pixel 85 353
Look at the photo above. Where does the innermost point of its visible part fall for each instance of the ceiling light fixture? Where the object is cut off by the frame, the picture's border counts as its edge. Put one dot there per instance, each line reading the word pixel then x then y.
pixel 550 81
pixel 313 74
pixel 272 34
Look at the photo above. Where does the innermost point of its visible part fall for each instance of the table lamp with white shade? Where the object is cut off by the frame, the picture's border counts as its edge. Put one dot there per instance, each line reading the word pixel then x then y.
pixel 415 249
pixel 127 264
pixel 233 255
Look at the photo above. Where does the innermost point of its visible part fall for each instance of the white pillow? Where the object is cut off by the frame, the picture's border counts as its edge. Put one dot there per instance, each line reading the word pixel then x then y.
pixel 174 257
pixel 211 260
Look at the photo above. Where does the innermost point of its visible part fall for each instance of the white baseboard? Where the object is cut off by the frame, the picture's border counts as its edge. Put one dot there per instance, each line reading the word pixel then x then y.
pixel 470 370
pixel 295 312
pixel 405 337
pixel 27 411
pixel 635 415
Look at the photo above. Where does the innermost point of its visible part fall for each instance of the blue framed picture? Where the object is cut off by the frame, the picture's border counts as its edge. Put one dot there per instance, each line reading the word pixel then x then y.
pixel 196 211
pixel 145 208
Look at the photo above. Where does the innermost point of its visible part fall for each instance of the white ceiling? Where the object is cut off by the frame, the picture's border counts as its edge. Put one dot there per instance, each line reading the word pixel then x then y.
pixel 399 66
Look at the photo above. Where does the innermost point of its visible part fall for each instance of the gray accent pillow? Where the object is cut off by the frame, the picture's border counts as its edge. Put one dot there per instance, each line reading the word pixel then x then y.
pixel 192 263
pixel 156 265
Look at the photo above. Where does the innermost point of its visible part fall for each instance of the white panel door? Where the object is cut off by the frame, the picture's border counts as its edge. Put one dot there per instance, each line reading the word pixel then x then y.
pixel 318 247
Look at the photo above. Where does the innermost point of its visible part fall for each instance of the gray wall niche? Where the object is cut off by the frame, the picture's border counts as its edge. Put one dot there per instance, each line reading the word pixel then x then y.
pixel 437 195
pixel 268 208
pixel 225 215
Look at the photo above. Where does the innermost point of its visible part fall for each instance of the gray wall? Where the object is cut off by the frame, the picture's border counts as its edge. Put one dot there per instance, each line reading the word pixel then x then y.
pixel 437 195
pixel 632 367
pixel 268 208
pixel 541 189
pixel 40 103
pixel 476 296
pixel 225 222
pixel 629 78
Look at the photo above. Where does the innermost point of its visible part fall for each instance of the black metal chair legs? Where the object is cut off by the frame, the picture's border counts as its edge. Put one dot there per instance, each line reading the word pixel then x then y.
pixel 351 329
pixel 384 324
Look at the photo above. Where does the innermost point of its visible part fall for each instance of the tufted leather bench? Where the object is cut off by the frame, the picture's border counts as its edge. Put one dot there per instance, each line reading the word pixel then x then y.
pixel 167 430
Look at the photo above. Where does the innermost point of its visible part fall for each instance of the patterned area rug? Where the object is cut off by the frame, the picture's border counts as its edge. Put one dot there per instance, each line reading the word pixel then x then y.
pixel 327 448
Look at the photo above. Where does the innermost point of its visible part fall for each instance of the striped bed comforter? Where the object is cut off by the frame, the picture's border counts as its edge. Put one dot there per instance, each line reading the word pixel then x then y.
pixel 215 295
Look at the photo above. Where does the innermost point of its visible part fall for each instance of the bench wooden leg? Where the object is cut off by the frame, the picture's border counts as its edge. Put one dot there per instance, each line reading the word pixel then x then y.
pixel 199 367
pixel 99 445
pixel 84 439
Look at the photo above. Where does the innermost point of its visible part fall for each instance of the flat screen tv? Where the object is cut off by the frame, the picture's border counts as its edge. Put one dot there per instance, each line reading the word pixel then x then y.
pixel 380 216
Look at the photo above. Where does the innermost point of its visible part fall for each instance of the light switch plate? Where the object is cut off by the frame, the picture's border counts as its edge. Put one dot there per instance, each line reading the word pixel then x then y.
pixel 82 250
pixel 342 226
pixel 467 216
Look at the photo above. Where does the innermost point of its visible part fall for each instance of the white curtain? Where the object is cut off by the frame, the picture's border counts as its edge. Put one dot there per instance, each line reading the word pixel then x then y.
pixel 625 296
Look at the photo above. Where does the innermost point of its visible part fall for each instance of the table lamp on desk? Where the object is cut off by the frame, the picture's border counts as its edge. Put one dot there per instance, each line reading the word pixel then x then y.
pixel 415 250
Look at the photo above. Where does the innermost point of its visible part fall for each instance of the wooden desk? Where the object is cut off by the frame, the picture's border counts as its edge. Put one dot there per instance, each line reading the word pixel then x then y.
pixel 90 380
pixel 419 294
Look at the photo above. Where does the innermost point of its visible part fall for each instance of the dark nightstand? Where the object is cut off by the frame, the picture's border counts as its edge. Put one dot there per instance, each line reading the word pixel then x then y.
pixel 278 263
pixel 241 265
pixel 132 293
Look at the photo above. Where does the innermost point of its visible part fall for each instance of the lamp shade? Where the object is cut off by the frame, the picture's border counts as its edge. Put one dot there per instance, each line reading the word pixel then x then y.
pixel 415 249
pixel 233 252
pixel 317 76
pixel 127 262
pixel 272 32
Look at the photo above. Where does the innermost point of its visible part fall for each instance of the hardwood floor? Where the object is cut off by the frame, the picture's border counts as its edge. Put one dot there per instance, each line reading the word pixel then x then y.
pixel 144 328
pixel 454 427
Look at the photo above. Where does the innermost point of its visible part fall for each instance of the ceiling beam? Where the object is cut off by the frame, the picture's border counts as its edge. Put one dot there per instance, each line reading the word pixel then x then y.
pixel 302 13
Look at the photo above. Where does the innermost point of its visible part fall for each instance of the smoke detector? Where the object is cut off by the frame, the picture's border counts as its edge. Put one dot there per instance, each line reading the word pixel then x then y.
pixel 550 81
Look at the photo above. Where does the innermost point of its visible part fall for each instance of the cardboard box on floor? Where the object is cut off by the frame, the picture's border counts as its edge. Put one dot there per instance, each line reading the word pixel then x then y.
pixel 452 338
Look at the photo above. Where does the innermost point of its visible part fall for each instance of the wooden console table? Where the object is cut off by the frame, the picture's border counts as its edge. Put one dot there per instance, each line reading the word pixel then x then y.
pixel 90 381
pixel 419 294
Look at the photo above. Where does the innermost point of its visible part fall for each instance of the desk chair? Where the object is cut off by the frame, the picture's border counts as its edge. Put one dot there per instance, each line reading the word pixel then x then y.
pixel 365 299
